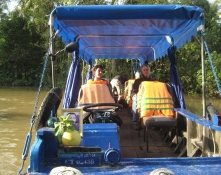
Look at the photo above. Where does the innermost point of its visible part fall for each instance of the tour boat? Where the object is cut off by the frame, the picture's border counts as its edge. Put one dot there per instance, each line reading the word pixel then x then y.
pixel 139 32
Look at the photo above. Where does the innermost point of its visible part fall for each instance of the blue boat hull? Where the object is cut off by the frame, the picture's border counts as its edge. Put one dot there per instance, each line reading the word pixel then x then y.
pixel 179 166
pixel 46 154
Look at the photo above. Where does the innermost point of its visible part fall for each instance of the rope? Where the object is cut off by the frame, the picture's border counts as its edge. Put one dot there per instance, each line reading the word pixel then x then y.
pixel 213 68
pixel 29 136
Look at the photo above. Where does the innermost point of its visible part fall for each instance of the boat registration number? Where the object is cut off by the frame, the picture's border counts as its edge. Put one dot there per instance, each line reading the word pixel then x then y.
pixel 81 161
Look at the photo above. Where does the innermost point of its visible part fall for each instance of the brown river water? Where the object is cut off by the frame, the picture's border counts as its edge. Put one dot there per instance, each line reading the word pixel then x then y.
pixel 16 108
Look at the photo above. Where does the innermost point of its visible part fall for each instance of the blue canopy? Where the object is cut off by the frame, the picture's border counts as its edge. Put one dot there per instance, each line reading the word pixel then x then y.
pixel 143 32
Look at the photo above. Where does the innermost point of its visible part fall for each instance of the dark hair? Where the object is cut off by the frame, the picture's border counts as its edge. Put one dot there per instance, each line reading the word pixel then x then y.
pixel 96 67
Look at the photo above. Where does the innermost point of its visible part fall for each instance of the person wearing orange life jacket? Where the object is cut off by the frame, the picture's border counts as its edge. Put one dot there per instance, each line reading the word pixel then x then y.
pixel 97 71
pixel 145 70
pixel 102 95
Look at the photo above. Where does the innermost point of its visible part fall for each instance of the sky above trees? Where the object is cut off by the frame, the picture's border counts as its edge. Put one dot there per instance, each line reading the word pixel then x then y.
pixel 12 5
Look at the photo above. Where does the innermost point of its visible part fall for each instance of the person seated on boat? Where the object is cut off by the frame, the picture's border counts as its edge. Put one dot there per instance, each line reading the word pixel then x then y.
pixel 97 72
pixel 145 70
pixel 128 89
pixel 96 90
pixel 118 83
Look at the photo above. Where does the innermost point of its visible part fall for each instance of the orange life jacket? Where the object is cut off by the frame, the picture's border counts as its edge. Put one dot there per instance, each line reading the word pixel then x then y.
pixel 94 93
pixel 96 82
pixel 153 98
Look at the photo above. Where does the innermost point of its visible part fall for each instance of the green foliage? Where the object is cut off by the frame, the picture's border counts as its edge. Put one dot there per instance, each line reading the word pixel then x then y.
pixel 160 70
pixel 113 67
pixel 3 9
pixel 211 84
pixel 19 57
pixel 24 40
pixel 189 62
pixel 145 1
pixel 63 125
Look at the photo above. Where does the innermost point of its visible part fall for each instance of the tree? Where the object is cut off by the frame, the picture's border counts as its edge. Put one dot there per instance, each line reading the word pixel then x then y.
pixel 3 8
pixel 20 47
pixel 189 57
pixel 29 44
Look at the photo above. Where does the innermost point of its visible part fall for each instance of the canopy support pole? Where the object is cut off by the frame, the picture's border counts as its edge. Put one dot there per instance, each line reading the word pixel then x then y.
pixel 52 54
pixel 205 130
pixel 203 78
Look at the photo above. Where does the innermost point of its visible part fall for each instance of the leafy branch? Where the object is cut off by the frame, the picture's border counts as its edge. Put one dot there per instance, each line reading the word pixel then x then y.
pixel 62 126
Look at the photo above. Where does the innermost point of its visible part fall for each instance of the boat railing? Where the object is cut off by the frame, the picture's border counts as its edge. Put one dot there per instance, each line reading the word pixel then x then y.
pixel 202 135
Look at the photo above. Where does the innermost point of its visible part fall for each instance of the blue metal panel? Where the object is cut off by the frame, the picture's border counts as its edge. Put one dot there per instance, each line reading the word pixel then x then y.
pixel 44 150
pixel 179 166
pixel 103 135
pixel 37 156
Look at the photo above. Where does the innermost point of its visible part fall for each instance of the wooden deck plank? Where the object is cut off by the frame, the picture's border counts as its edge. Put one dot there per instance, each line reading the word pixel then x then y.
pixel 153 149
pixel 125 137
pixel 141 151
pixel 133 146
pixel 128 152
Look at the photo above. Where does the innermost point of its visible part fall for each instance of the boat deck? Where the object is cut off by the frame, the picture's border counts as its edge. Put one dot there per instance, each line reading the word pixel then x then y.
pixel 134 147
